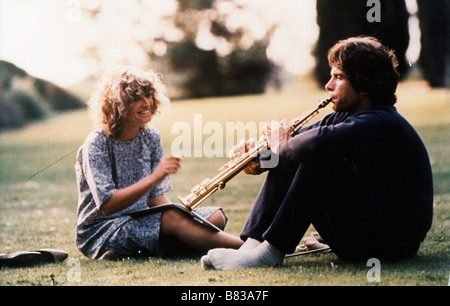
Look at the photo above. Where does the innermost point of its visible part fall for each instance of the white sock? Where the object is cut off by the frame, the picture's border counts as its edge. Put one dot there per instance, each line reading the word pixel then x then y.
pixel 270 255
pixel 264 254
pixel 250 243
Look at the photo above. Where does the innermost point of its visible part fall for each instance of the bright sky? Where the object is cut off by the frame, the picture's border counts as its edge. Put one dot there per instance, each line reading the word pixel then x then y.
pixel 36 36
pixel 48 37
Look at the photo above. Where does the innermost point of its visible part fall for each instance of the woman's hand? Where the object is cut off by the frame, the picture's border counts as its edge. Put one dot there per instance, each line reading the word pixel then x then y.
pixel 124 197
pixel 166 166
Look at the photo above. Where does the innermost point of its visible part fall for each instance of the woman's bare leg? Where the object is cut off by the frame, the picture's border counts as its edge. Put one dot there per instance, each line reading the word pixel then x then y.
pixel 177 224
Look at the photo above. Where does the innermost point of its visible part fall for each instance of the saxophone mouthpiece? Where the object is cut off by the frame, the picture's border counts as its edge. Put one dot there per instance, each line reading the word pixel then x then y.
pixel 325 102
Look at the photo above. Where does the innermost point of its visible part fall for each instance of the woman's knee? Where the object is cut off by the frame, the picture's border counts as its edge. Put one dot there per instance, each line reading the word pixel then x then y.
pixel 173 220
pixel 218 219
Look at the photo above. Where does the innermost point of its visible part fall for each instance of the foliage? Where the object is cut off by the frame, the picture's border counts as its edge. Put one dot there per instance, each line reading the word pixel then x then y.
pixel 200 47
pixel 57 98
pixel 435 39
pixel 340 19
pixel 24 98
pixel 243 69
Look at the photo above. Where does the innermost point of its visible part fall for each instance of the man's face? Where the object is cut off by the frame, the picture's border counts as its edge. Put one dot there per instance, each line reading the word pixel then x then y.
pixel 345 98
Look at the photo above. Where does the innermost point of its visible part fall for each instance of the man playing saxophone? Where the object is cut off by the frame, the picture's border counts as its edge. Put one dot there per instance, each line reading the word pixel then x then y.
pixel 361 176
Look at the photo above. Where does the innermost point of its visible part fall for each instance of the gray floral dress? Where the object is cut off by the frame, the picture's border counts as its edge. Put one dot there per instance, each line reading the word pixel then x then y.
pixel 105 164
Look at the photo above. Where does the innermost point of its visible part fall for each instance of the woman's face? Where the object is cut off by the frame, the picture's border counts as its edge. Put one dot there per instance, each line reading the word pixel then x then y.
pixel 141 111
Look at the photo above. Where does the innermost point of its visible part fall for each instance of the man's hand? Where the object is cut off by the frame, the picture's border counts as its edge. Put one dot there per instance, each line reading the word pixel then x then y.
pixel 243 147
pixel 276 133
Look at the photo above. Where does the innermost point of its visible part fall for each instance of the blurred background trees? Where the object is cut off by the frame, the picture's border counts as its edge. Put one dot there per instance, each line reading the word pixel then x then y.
pixel 24 98
pixel 204 50
pixel 214 57
pixel 434 58
pixel 202 47
pixel 221 47
pixel 339 19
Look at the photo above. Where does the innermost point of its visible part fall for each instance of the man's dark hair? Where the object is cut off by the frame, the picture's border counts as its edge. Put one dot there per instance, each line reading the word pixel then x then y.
pixel 369 66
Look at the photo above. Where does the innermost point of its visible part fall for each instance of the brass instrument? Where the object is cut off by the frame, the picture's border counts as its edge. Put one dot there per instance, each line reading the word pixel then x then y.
pixel 208 186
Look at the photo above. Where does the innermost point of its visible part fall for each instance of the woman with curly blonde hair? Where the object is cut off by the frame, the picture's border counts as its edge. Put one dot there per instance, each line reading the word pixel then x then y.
pixel 120 169
pixel 116 93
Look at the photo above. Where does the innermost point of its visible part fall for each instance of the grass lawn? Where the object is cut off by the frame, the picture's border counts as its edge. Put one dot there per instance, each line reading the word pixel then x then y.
pixel 38 204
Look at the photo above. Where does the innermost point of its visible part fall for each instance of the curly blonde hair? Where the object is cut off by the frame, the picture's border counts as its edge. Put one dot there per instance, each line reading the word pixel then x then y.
pixel 116 93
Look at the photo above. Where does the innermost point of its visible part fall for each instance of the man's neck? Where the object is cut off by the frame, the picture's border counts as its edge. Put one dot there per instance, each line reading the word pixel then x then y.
pixel 365 104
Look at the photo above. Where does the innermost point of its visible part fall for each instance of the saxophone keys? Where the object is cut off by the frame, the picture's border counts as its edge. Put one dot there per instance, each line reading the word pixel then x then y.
pixel 224 168
pixel 200 187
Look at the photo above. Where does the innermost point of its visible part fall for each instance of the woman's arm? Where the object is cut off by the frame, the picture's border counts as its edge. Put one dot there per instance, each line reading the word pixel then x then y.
pixel 158 200
pixel 123 198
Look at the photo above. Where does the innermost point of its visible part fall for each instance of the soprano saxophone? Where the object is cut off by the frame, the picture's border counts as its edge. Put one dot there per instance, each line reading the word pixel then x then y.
pixel 208 186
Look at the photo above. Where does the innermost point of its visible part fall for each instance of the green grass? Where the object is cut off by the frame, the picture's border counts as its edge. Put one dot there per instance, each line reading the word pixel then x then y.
pixel 38 208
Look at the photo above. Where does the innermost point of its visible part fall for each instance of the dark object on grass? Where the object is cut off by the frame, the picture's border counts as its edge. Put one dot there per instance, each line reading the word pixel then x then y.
pixel 32 258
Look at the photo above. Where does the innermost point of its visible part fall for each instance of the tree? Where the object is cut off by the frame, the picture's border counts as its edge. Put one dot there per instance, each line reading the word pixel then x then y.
pixel 24 98
pixel 198 45
pixel 435 52
pixel 213 58
pixel 340 19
